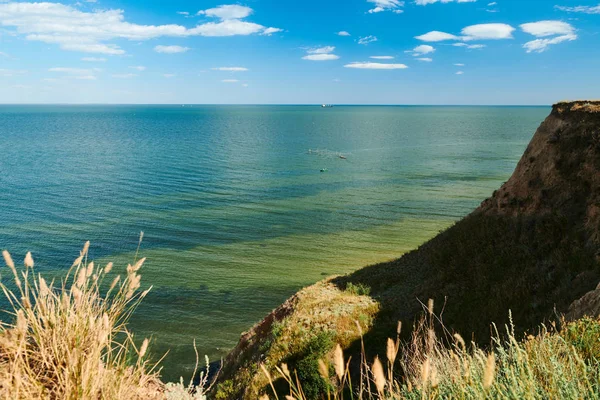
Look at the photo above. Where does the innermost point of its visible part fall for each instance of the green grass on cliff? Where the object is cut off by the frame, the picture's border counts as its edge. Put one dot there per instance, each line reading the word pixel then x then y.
pixel 557 364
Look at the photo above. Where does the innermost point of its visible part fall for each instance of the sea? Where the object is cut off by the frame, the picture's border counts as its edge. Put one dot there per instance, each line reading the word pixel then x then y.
pixel 241 206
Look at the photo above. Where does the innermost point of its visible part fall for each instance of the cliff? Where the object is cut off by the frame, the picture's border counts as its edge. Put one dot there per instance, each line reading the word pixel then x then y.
pixel 532 248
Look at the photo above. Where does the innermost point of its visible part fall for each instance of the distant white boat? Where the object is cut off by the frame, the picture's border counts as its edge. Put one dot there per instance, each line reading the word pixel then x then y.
pixel 326 105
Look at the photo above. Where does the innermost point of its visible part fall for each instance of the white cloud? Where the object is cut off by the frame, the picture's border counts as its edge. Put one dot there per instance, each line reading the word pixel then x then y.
pixel 74 71
pixel 343 33
pixel 472 32
pixel 548 33
pixel 320 54
pixel 321 50
pixel 423 49
pixel 76 30
pixel 230 69
pixel 459 65
pixel 231 27
pixel 580 9
pixel 541 45
pixel 493 3
pixel 460 73
pixel 93 59
pixel 124 76
pixel 386 5
pixel 231 11
pixel 426 2
pixel 170 49
pixel 374 65
pixel 425 59
pixel 367 39
pixel 138 67
pixel 469 46
pixel 169 75
pixel 382 57
pixel 230 81
pixel 270 31
pixel 436 36
pixel 3 54
pixel 86 77
pixel 320 57
pixel 488 32
pixel 548 28
pixel 183 13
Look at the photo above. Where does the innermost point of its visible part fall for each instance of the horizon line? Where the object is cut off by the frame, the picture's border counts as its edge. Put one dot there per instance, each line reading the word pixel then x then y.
pixel 280 104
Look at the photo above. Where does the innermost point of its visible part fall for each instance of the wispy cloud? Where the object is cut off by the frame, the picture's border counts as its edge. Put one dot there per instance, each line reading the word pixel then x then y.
pixel 170 49
pixel 426 2
pixel 320 57
pixel 425 59
pixel 321 54
pixel 374 65
pixel 548 33
pixel 230 80
pixel 460 73
pixel 169 75
pixel 230 69
pixel 93 59
pixel 367 39
pixel 382 57
pixel 386 5
pixel 7 73
pixel 124 76
pixel 469 46
pixel 343 33
pixel 138 67
pixel 580 9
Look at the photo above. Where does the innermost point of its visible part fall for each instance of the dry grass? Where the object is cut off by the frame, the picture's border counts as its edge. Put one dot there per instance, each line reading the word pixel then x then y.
pixel 554 365
pixel 70 340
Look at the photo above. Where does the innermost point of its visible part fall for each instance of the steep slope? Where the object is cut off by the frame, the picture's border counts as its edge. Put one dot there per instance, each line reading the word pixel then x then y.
pixel 533 248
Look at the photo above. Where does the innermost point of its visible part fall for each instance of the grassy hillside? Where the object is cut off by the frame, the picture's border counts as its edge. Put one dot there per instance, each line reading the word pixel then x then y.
pixel 533 248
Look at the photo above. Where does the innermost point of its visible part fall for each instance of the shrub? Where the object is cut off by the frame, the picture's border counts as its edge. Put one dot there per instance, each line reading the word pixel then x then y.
pixel 358 289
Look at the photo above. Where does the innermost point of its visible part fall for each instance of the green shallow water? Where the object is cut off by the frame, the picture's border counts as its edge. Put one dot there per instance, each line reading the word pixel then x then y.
pixel 236 213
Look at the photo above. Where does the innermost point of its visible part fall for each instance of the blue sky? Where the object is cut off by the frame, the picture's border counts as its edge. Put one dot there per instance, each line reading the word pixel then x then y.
pixel 299 52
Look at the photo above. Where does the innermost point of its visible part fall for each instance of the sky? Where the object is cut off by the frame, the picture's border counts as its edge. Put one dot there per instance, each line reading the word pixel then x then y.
pixel 464 52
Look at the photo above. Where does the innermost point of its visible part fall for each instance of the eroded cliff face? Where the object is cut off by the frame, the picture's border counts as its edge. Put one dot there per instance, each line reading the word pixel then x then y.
pixel 559 172
pixel 532 248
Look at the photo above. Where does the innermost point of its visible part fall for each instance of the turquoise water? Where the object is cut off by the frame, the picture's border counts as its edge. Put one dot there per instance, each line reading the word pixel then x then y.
pixel 236 212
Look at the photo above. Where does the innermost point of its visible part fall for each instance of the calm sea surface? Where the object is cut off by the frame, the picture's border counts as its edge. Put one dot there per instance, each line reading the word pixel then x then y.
pixel 236 212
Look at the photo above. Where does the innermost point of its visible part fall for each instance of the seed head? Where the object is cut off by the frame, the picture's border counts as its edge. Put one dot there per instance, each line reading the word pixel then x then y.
pixel 391 351
pixel 338 362
pixel 488 376
pixel 28 260
pixel 378 375
pixel 108 267
pixel 323 370
pixel 144 348
pixel 86 247
pixel 285 369
pixel 90 270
